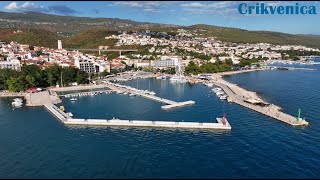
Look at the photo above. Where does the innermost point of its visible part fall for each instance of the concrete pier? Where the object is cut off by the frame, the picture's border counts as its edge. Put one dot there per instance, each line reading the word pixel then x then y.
pixel 241 96
pixel 170 104
pixel 174 105
pixel 62 116
pixel 221 124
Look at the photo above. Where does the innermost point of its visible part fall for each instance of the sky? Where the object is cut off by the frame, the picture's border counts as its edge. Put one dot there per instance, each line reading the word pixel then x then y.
pixel 219 13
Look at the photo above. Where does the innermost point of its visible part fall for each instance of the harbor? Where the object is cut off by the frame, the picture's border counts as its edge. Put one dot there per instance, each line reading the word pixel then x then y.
pixel 221 124
pixel 230 92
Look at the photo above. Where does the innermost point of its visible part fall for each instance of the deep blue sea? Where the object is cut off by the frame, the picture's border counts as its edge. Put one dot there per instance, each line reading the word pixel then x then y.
pixel 34 144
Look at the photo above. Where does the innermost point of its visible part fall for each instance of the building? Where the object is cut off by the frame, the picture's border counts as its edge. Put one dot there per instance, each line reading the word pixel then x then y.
pixel 86 65
pixel 13 64
pixel 166 62
pixel 59 44
pixel 91 66
pixel 142 63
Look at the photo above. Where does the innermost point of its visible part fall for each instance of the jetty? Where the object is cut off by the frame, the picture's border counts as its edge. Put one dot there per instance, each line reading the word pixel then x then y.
pixel 252 101
pixel 170 103
pixel 221 124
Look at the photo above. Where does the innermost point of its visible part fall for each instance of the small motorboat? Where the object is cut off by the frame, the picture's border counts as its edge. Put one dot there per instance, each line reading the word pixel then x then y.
pixel 17 103
pixel 70 114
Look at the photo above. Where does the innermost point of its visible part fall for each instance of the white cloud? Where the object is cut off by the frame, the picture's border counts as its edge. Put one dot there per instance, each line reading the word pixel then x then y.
pixel 147 6
pixel 30 6
pixel 224 7
pixel 12 6
pixel 27 6
pixel 192 5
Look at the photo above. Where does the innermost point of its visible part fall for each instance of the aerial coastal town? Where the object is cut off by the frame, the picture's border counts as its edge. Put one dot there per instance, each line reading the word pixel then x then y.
pixel 181 57
pixel 163 51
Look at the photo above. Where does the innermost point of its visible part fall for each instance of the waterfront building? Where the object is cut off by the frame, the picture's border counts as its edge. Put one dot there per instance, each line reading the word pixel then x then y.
pixel 13 64
pixel 166 62
pixel 91 66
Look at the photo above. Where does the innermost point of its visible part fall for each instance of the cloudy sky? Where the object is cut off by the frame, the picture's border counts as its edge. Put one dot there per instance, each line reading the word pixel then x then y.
pixel 224 13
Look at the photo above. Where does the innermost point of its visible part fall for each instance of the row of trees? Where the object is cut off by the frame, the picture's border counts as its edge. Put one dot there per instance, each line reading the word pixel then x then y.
pixel 218 66
pixel 33 76
pixel 293 54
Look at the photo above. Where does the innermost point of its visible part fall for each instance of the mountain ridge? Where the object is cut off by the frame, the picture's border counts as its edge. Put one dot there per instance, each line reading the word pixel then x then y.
pixel 66 26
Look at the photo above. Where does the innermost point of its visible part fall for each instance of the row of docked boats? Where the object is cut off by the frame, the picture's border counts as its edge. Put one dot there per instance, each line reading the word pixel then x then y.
pixel 73 96
pixel 125 93
pixel 220 93
pixel 162 77
pixel 132 89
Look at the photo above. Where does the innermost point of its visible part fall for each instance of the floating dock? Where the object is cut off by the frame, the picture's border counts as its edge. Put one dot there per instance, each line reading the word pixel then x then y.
pixel 177 104
pixel 170 103
pixel 221 124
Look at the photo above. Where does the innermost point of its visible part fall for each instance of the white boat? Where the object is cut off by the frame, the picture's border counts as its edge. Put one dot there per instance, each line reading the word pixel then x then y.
pixel 216 89
pixel 70 114
pixel 209 84
pixel 73 99
pixel 178 79
pixel 17 103
pixel 223 97
pixel 17 100
pixel 131 95
pixel 218 93
pixel 163 77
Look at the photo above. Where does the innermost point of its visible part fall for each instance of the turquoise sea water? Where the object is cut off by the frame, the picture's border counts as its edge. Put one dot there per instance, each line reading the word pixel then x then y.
pixel 34 144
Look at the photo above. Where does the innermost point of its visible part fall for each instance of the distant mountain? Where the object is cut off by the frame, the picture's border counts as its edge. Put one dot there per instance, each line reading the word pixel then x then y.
pixel 69 24
pixel 245 36
pixel 43 29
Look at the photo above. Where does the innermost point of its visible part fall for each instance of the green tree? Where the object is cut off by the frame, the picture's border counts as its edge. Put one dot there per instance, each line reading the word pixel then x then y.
pixel 16 84
pixel 53 73
pixel 69 75
pixel 82 77
pixel 6 74
pixel 31 81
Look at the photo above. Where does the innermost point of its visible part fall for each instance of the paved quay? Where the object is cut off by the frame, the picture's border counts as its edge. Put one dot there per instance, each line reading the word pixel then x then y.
pixel 41 98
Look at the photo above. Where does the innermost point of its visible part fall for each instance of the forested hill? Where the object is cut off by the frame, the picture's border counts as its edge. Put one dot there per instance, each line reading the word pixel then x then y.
pixel 44 29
